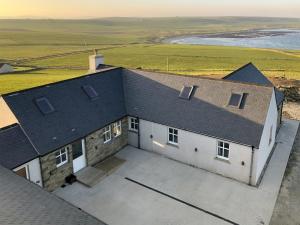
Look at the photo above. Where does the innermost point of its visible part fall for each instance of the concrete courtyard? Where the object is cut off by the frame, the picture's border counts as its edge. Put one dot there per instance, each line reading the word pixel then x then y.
pixel 151 189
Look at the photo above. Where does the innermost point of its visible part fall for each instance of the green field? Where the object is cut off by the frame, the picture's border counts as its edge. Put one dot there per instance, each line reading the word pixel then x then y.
pixel 60 48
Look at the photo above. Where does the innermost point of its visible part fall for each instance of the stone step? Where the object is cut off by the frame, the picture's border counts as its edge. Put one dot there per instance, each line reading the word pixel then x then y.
pixel 90 176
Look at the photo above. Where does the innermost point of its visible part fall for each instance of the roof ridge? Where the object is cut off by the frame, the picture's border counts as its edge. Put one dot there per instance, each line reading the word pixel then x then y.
pixel 205 77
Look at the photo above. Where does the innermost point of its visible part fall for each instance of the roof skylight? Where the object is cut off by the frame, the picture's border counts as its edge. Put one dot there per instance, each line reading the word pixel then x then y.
pixel 186 92
pixel 44 105
pixel 237 100
pixel 90 91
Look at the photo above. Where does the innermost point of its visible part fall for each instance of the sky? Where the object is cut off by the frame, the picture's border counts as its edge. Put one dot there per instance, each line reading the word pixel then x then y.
pixel 75 9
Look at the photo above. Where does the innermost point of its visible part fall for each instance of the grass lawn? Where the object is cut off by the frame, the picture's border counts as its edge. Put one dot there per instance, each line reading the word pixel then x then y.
pixel 15 82
pixel 188 59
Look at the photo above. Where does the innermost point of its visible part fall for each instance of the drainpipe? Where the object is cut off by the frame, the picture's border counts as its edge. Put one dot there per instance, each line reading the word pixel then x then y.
pixel 251 165
pixel 139 138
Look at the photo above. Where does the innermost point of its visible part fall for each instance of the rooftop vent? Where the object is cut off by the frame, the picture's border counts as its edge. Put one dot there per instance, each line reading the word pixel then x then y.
pixel 44 105
pixel 186 92
pixel 90 91
pixel 237 100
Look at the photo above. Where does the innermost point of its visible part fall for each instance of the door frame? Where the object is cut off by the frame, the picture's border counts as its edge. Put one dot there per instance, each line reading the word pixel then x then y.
pixel 83 155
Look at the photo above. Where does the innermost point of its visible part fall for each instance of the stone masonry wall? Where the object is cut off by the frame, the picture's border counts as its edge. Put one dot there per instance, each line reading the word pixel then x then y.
pixel 54 177
pixel 96 150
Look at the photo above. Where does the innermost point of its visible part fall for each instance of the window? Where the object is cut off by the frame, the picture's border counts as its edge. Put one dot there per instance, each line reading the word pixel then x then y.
pixel 186 92
pixel 133 124
pixel 271 135
pixel 61 157
pixel 223 150
pixel 173 136
pixel 44 105
pixel 107 134
pixel 235 99
pixel 90 91
pixel 117 129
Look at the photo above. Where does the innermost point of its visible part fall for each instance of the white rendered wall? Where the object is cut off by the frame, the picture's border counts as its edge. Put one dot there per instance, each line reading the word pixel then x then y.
pixel 133 138
pixel 33 170
pixel 204 158
pixel 261 155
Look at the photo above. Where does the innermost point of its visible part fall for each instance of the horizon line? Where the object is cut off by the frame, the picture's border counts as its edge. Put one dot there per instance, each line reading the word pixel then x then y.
pixel 137 17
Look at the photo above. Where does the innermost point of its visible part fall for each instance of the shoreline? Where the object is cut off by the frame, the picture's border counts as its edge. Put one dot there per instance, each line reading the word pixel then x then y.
pixel 253 33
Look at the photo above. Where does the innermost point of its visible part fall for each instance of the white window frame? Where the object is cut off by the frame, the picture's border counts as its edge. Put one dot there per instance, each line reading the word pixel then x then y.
pixel 173 134
pixel 63 151
pixel 117 128
pixel 221 145
pixel 107 134
pixel 133 122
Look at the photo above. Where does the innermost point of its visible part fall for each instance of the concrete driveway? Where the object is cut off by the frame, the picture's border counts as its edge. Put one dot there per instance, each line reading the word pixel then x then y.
pixel 151 189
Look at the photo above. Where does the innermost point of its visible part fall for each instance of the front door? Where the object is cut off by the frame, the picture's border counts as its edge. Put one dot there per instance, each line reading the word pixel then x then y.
pixel 78 152
pixel 146 135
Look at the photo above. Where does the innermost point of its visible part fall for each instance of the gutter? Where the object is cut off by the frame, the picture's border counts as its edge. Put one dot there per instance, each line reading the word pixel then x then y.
pixel 251 165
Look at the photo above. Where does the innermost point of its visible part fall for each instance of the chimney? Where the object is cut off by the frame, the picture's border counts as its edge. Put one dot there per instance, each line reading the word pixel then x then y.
pixel 94 61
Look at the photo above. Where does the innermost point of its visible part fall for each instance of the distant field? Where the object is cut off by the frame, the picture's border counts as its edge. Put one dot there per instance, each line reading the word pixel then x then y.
pixel 60 48
pixel 14 82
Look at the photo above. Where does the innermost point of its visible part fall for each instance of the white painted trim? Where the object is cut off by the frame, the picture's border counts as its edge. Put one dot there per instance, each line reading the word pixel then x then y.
pixel 129 124
pixel 63 162
pixel 107 131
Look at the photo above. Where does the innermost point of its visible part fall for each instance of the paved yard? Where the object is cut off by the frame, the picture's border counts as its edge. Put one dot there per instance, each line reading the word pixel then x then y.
pixel 151 189
pixel 287 207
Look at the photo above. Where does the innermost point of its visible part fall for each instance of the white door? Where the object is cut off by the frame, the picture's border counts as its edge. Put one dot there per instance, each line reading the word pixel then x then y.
pixel 78 152
pixel 146 136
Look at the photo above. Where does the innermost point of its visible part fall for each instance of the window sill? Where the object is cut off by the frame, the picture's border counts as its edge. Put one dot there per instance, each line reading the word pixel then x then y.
pixel 61 164
pixel 117 136
pixel 173 145
pixel 222 159
pixel 107 142
pixel 133 131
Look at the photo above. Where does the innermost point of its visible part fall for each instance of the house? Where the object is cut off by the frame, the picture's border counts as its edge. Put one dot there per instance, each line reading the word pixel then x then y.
pixel 5 68
pixel 22 202
pixel 224 126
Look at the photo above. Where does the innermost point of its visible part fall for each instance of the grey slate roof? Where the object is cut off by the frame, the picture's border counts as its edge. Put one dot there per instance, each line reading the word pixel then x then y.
pixel 250 74
pixel 22 202
pixel 154 97
pixel 75 116
pixel 147 95
pixel 15 148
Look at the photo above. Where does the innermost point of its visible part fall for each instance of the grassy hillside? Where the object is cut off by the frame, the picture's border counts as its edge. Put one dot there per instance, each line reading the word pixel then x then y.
pixel 60 48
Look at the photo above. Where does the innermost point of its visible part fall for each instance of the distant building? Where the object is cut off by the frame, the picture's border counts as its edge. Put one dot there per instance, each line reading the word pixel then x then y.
pixel 5 68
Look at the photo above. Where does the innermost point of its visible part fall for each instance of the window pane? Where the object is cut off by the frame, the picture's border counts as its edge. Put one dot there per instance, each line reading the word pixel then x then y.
pixel 175 131
pixel 220 144
pixel 170 137
pixel 226 145
pixel 58 160
pixel 226 153
pixel 63 157
pixel 220 151
pixel 57 153
pixel 77 149
pixel 175 139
